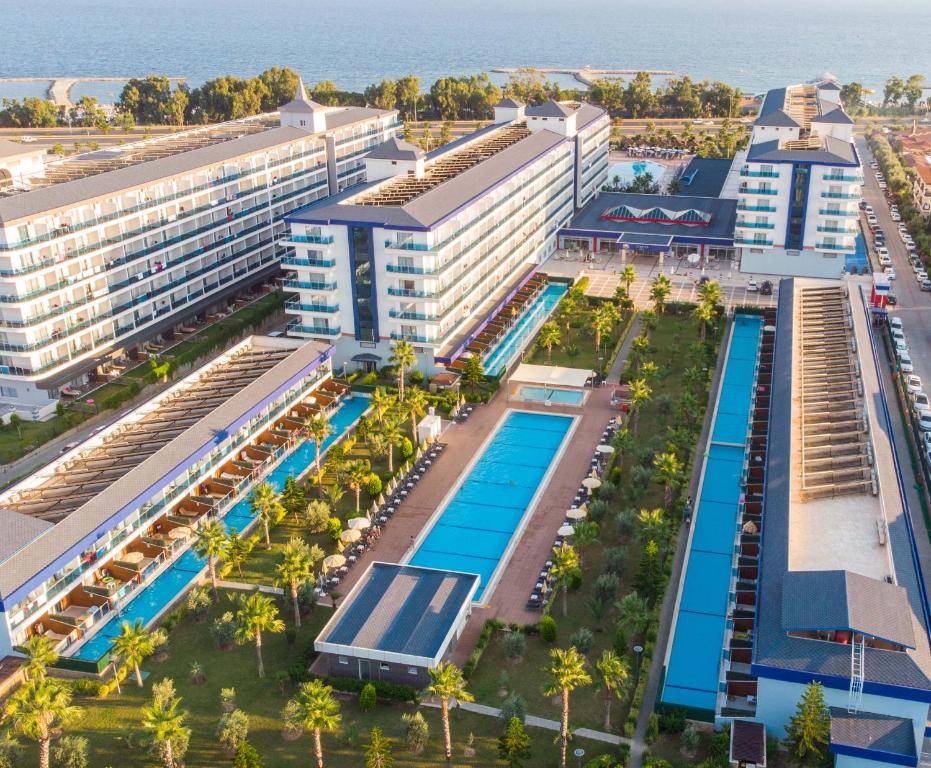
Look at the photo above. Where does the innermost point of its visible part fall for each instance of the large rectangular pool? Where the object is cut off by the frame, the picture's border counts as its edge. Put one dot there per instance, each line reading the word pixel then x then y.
pixel 474 529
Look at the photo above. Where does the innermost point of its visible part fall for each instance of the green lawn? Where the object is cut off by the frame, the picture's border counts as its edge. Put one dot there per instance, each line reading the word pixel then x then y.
pixel 576 349
pixel 112 724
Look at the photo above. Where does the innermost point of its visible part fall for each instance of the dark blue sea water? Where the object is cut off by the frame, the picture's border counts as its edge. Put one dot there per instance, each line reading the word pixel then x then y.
pixel 751 43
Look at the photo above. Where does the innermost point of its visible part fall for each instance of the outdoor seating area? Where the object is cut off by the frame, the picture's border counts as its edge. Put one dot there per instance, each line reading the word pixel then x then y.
pixel 362 533
pixel 543 588
pixel 664 153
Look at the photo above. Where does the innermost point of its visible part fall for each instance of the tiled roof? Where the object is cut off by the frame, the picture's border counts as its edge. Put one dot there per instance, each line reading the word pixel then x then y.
pixel 748 742
pixel 834 152
pixel 550 109
pixel 396 149
pixel 883 734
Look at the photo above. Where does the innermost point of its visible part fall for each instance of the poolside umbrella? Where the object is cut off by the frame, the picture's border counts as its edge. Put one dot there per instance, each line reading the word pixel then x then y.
pixel 565 530
pixel 392 485
pixel 605 449
pixel 591 483
pixel 381 499
pixel 333 561
pixel 373 509
pixel 419 454
pixel 358 523
pixel 350 535
pixel 577 514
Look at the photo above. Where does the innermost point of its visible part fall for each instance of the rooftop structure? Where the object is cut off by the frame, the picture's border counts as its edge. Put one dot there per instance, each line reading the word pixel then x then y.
pixel 704 177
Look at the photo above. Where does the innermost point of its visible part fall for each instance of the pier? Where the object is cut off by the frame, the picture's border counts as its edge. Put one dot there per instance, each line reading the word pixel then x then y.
pixel 585 75
pixel 59 89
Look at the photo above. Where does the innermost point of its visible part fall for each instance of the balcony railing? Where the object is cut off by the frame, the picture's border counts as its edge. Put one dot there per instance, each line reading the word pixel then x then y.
pixel 756 224
pixel 299 285
pixel 406 269
pixel 751 241
pixel 406 315
pixel 315 239
pixel 834 247
pixel 756 208
pixel 296 306
pixel 411 293
pixel 840 195
pixel 315 330
pixel 407 246
pixel 412 337
pixel 841 177
pixel 838 230
pixel 758 191
pixel 293 261
pixel 759 174
pixel 829 212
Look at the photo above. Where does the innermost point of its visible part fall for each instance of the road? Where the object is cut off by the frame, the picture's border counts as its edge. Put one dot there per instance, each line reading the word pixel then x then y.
pixel 913 303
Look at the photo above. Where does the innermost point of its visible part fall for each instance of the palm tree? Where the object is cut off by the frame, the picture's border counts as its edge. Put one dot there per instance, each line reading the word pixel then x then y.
pixel 603 320
pixel 633 612
pixel 614 674
pixel 416 407
pixel 238 548
pixel 640 394
pixel 391 431
pixel 40 655
pixel 628 275
pixel 318 712
pixel 565 562
pixel 166 724
pixel 381 403
pixel 704 313
pixel 651 525
pixel 549 338
pixel 447 682
pixel 295 568
pixel 403 356
pixel 711 293
pixel 257 613
pixel 568 309
pixel 267 507
pixel 212 544
pixel 667 469
pixel 356 474
pixel 134 645
pixel 41 706
pixel 319 429
pixel 659 292
pixel 567 672
pixel 648 369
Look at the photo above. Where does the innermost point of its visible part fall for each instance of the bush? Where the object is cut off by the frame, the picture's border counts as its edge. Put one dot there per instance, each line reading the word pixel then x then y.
pixel 515 644
pixel 368 697
pixel 233 729
pixel 70 752
pixel 652 728
pixel 607 490
pixel 173 617
pixel 84 686
pixel 317 515
pixel 513 706
pixel 223 630
pixel 416 377
pixel 247 757
pixel 605 588
pixel 626 521
pixel 373 485
pixel 614 561
pixel 383 691
pixel 416 731
pixel 672 721
pixel 691 738
pixel 11 753
pixel 228 699
pixel 198 602
pixel 547 627
pixel 407 448
pixel 582 639
pixel 306 597
pixel 597 509
pixel 574 578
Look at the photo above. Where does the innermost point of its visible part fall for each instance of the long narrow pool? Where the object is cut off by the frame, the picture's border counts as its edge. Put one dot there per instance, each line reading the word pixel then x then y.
pixel 512 343
pixel 478 524
pixel 694 658
pixel 175 579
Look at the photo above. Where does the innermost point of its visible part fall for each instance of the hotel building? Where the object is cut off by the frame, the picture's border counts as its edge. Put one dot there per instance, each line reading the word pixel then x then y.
pixel 100 525
pixel 103 250
pixel 800 186
pixel 433 245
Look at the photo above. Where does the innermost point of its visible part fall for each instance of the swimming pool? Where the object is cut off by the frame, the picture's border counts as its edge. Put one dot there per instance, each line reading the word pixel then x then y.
pixel 175 579
pixel 546 395
pixel 478 522
pixel 694 657
pixel 512 343
pixel 630 169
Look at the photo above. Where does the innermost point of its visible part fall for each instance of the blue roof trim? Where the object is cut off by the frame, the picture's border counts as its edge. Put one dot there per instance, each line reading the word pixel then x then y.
pixel 877 755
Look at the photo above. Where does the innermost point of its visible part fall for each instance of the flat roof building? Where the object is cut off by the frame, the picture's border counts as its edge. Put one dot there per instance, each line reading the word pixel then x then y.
pixel 106 249
pixel 432 245
pixel 397 622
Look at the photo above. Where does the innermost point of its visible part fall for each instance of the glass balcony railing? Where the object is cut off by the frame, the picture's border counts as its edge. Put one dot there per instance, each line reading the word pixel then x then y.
pixel 831 212
pixel 841 195
pixel 298 285
pixel 399 336
pixel 316 239
pixel 834 247
pixel 407 315
pixel 315 330
pixel 407 246
pixel 411 293
pixel 296 306
pixel 759 174
pixel 756 208
pixel 408 269
pixel 838 230
pixel 293 261
pixel 758 191
pixel 756 224
pixel 842 177
pixel 751 241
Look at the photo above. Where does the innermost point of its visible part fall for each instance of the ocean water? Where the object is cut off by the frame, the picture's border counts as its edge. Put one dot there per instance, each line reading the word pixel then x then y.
pixel 754 45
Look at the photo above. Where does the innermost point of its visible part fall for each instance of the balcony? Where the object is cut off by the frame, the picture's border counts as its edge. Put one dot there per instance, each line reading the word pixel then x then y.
pixel 315 330
pixel 756 208
pixel 293 261
pixel 408 293
pixel 405 269
pixel 407 246
pixel 842 178
pixel 406 315
pixel 412 337
pixel 747 172
pixel 840 195
pixel 829 212
pixel 758 191
pixel 301 285
pixel 751 241
pixel 834 247
pixel 756 224
pixel 314 239
pixel 838 230
pixel 296 306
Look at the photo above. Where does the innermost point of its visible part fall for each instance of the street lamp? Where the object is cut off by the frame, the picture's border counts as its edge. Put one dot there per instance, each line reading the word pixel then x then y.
pixel 579 753
pixel 638 650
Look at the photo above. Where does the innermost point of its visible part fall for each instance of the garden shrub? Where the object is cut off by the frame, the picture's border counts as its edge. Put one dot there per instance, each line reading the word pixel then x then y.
pixel 233 729
pixel 70 752
pixel 582 639
pixel 84 686
pixel 574 578
pixel 373 485
pixel 672 720
pixel 368 697
pixel 513 706
pixel 547 626
pixel 614 561
pixel 223 630
pixel 515 644
pixel 605 587
pixel 407 448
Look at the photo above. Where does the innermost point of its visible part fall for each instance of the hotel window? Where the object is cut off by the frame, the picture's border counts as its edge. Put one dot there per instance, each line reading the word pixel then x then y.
pixel 412 670
pixel 384 667
pixel 342 660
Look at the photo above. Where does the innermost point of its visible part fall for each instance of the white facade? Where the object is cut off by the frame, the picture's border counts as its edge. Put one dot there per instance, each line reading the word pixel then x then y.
pixel 84 278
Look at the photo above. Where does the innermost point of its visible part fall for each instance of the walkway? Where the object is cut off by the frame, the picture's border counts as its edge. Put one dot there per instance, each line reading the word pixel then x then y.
pixel 536 722
pixel 244 587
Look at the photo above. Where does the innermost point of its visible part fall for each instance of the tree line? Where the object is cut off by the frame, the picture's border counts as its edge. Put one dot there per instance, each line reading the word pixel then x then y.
pixel 900 97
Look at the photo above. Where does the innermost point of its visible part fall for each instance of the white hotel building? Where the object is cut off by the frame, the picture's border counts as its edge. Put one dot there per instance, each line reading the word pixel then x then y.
pixel 433 244
pixel 800 186
pixel 104 250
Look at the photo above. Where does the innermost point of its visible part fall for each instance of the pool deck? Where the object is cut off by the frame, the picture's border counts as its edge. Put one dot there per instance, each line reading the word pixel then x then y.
pixel 509 598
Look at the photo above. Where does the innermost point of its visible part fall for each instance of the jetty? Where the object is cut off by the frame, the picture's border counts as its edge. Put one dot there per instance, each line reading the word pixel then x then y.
pixel 585 75
pixel 59 88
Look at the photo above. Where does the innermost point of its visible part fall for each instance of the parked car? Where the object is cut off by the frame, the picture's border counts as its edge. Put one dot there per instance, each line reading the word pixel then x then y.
pixel 913 384
pixel 925 285
pixel 890 272
pixel 924 421
pixel 871 218
pixel 27 139
pixel 882 250
pixel 905 362
pixel 897 333
pixel 896 217
pixel 869 210
pixel 891 300
pixel 921 403
pixel 766 288
pixel 752 286
pixel 896 322
pixel 884 260
pixel 926 439
pixel 901 345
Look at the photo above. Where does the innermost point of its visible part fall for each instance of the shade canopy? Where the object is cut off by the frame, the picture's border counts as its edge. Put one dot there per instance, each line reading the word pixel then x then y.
pixel 591 483
pixel 551 376
pixel 565 530
pixel 334 561
pixel 606 449
pixel 358 523
pixel 350 535
pixel 577 514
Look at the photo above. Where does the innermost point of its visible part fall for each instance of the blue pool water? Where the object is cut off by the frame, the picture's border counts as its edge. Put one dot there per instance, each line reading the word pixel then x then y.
pixel 543 394
pixel 476 526
pixel 694 660
pixel 630 169
pixel 513 342
pixel 176 578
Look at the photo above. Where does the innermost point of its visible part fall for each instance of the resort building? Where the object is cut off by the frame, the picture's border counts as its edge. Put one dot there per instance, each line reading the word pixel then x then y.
pixel 397 622
pixel 104 250
pixel 434 245
pixel 809 568
pixel 915 150
pixel 800 186
pixel 104 530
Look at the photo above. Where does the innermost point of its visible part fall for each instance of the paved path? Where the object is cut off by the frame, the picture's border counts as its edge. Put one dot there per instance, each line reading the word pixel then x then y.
pixel 614 375
pixel 244 587
pixel 536 722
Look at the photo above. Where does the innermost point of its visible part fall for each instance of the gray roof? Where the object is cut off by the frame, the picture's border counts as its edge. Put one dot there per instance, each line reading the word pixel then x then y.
pixel 772 113
pixel 400 609
pixel 13 149
pixel 396 149
pixel 99 514
pixel 772 647
pixel 833 152
pixel 428 209
pixel 704 177
pixel 835 116
pixel 872 731
pixel 832 600
pixel 18 531
pixel 748 742
pixel 508 103
pixel 68 193
pixel 300 102
pixel 828 85
pixel 549 109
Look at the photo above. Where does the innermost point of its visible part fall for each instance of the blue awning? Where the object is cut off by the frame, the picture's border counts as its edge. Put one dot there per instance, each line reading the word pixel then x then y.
pixel 645 241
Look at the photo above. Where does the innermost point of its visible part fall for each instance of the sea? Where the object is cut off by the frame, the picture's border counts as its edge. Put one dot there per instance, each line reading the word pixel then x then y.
pixel 754 44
